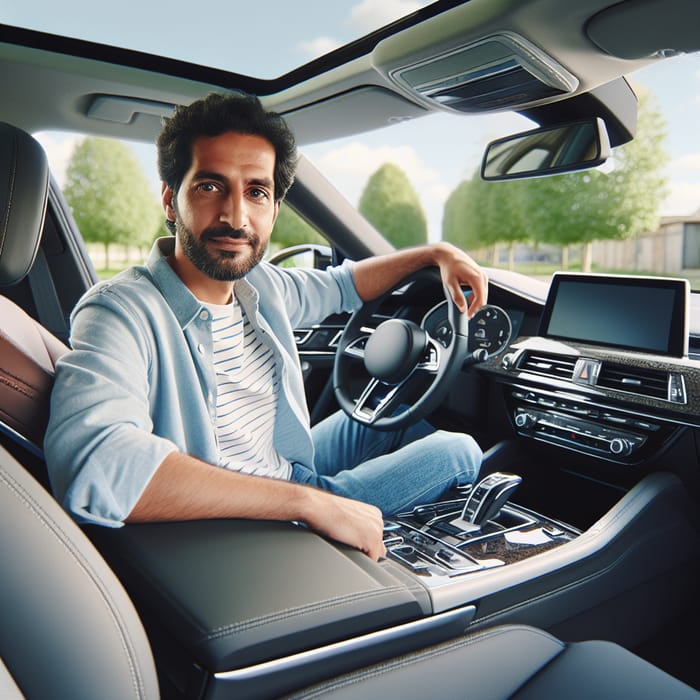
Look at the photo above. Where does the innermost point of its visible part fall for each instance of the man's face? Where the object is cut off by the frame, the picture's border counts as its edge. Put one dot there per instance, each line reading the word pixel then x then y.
pixel 224 210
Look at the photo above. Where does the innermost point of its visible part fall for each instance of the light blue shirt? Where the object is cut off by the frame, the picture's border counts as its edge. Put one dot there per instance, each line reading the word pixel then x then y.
pixel 139 382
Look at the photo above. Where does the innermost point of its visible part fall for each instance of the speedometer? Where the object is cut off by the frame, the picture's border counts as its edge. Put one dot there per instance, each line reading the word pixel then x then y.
pixel 490 329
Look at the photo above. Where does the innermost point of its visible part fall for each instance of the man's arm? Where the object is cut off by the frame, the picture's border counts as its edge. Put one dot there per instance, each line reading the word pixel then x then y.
pixel 185 488
pixel 377 275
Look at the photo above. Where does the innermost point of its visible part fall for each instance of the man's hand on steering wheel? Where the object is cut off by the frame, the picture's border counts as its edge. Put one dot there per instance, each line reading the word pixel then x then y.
pixel 377 275
pixel 457 270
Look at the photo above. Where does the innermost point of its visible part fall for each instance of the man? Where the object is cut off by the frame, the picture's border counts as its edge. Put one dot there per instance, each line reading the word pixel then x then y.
pixel 182 397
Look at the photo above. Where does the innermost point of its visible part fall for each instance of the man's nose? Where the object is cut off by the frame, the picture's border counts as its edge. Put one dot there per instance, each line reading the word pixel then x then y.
pixel 235 211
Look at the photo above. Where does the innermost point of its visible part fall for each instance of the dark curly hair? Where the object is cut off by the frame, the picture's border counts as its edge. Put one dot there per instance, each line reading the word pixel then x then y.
pixel 214 115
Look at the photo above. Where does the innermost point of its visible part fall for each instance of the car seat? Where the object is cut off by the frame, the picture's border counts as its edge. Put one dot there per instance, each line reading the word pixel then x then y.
pixel 28 352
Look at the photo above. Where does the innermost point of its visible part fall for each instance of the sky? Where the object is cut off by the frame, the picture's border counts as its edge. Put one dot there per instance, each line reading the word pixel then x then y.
pixel 436 153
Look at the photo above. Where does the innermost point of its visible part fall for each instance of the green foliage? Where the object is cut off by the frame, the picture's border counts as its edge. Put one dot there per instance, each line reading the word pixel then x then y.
pixel 391 205
pixel 568 209
pixel 290 229
pixel 460 217
pixel 110 196
pixel 478 214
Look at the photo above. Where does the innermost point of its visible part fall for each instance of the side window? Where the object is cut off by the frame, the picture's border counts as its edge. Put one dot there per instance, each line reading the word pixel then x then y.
pixel 112 190
pixel 295 243
pixel 291 230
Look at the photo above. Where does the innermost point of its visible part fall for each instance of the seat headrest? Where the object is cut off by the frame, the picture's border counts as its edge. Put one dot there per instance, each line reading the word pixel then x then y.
pixel 24 187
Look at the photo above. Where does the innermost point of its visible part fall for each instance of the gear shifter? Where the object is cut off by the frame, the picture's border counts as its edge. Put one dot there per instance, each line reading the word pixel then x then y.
pixel 486 499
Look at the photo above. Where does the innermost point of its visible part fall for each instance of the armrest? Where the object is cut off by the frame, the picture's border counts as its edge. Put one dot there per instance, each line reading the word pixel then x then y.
pixel 236 592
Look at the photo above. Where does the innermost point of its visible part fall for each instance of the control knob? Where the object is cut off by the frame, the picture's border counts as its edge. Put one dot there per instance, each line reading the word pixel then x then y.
pixel 621 446
pixel 525 419
pixel 508 361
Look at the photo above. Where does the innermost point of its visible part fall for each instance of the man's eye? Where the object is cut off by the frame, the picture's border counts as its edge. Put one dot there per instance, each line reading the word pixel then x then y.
pixel 206 187
pixel 258 193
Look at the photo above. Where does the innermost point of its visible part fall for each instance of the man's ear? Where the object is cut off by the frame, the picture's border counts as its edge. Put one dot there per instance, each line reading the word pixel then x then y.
pixel 277 211
pixel 168 200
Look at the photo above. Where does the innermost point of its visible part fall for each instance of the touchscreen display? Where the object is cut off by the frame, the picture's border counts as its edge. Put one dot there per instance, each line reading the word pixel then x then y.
pixel 648 314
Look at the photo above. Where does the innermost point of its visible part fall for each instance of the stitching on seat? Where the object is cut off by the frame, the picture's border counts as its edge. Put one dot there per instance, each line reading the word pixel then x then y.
pixel 404 661
pixel 58 533
pixel 300 610
pixel 17 384
pixel 13 177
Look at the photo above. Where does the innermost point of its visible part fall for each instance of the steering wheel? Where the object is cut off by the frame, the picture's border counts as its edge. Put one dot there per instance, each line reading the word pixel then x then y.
pixel 409 372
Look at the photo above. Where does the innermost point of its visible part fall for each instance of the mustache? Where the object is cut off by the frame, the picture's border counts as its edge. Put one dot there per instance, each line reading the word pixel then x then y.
pixel 227 232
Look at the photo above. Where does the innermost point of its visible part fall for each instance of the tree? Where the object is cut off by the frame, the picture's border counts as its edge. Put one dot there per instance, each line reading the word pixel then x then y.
pixel 290 229
pixel 480 214
pixel 110 196
pixel 391 205
pixel 599 204
pixel 576 208
pixel 458 225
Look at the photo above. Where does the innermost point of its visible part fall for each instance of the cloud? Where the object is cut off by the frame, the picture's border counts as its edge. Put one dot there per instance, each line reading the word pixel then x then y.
pixel 355 162
pixel 318 47
pixel 364 18
pixel 369 15
pixel 350 166
pixel 688 162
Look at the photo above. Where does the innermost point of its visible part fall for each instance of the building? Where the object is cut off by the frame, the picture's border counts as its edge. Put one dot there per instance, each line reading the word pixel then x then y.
pixel 674 247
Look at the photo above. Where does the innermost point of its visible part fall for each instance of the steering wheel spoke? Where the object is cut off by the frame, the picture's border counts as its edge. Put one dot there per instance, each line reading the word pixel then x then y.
pixel 431 358
pixel 374 401
pixel 356 347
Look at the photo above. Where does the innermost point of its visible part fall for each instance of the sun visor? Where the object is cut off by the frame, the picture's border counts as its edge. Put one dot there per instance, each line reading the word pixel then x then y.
pixel 644 28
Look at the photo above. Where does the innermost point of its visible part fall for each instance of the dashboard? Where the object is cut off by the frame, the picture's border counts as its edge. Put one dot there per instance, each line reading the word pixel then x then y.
pixel 601 368
pixel 607 372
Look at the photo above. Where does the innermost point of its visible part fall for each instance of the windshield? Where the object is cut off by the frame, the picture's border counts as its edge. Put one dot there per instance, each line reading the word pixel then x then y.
pixel 433 158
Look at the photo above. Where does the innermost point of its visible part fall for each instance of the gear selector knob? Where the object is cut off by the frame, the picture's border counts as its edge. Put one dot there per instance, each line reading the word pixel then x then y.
pixel 488 497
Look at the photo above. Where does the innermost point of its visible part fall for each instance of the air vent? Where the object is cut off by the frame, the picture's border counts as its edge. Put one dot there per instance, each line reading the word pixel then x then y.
pixel 548 365
pixel 634 380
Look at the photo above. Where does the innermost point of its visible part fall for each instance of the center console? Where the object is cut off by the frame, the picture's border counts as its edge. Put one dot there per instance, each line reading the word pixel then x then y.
pixel 256 609
pixel 444 542
pixel 438 548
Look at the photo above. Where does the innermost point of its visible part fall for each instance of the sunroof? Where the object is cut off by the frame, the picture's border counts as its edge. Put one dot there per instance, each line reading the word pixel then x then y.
pixel 262 41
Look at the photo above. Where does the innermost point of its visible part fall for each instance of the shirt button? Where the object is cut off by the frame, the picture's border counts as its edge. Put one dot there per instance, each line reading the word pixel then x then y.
pixel 204 315
pixel 200 349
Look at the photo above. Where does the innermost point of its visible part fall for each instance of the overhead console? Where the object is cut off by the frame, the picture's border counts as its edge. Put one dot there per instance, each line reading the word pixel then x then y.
pixel 498 72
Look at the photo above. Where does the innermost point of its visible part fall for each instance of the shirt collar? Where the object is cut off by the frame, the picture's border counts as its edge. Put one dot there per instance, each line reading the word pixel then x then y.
pixel 184 304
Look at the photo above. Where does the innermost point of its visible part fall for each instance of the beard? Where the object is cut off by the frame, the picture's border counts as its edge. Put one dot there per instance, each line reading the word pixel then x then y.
pixel 222 265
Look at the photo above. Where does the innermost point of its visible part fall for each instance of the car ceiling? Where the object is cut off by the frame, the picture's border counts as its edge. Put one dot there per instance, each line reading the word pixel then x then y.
pixel 50 82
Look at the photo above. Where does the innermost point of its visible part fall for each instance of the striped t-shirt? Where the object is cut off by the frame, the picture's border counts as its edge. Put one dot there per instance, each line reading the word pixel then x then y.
pixel 246 402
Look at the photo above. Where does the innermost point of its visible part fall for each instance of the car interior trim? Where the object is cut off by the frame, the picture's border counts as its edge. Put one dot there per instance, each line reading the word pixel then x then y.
pixel 654 509
pixel 276 675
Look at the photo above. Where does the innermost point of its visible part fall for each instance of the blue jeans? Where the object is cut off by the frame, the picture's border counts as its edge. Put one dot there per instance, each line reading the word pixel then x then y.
pixel 393 470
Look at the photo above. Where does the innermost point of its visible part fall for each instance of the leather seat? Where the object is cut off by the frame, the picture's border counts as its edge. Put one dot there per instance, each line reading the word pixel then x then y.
pixel 28 353
pixel 510 662
pixel 69 630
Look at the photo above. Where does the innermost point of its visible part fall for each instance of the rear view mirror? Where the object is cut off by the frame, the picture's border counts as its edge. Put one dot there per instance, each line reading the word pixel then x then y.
pixel 548 150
